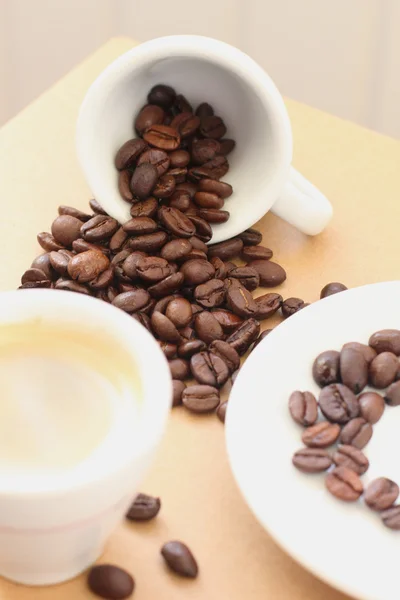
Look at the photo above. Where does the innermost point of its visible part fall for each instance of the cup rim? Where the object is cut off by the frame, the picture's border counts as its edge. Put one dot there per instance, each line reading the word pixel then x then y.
pixel 187 46
pixel 156 391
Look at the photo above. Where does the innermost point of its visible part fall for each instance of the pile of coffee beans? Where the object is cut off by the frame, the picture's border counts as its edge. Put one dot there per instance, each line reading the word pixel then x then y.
pixel 350 413
pixel 177 161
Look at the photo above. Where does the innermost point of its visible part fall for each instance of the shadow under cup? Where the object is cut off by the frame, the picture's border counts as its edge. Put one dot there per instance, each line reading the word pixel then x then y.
pixel 53 527
pixel 203 70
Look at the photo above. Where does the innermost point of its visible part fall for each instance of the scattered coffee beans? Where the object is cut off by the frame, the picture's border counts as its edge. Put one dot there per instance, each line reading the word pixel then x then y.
pixel 332 288
pixel 110 582
pixel 180 559
pixel 350 416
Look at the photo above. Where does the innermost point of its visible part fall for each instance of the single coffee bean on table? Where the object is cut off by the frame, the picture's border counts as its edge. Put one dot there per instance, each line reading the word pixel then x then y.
pixel 110 582
pixel 271 274
pixel 180 559
pixel 143 508
pixel 332 288
pixel 291 305
pixel 177 391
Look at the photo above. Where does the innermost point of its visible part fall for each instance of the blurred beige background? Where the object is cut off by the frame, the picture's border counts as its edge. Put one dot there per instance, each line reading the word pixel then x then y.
pixel 341 56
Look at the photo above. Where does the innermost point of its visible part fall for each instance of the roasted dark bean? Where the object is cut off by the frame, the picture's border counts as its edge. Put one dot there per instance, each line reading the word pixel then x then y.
pixel 326 368
pixel 250 253
pixel 164 328
pixel 386 340
pixel 48 242
pixel 179 368
pixel 87 266
pixel 59 261
pixel 344 483
pixel 143 508
pixel 145 208
pixel 140 226
pixel 180 559
pixel 71 286
pixel 227 319
pixel 186 124
pixel 321 435
pixel 150 242
pixel 43 263
pixel 203 229
pixel 149 115
pixel 227 146
pixel 169 285
pixel 383 370
pixel 381 494
pixel 177 391
pixel 152 268
pixel 117 240
pixel 392 396
pixel 303 408
pixel 190 347
pixel 251 237
pixel 372 406
pixel 312 460
pixel 179 158
pixel 197 271
pixel 271 274
pixel 207 200
pixel 291 305
pixel 220 188
pixel 158 158
pixel 244 335
pixel 240 301
pixel 168 349
pixel 111 582
pixel 96 207
pixel 212 127
pixel 209 369
pixel 176 222
pixel 332 288
pixel 352 458
pixel 338 403
pixel 354 369
pixel 99 228
pixel 165 186
pixel 132 301
pixel 66 229
pixel 226 250
pixel 207 327
pixel 128 154
pixel 162 136
pixel 391 517
pixel 73 212
pixel 247 276
pixel 200 398
pixel 179 311
pixel 162 95
pixel 267 305
pixel 204 110
pixel 357 432
pixel 205 150
pixel 210 294
pixel 227 353
pixel 214 215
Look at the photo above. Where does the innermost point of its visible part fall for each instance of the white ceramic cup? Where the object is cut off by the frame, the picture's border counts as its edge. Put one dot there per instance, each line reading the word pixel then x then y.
pixel 54 529
pixel 241 92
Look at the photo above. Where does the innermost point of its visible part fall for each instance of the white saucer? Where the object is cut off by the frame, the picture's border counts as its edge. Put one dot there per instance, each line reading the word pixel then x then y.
pixel 346 545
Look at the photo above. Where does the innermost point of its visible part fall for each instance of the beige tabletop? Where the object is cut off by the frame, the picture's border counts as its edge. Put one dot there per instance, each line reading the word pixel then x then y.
pixel 201 505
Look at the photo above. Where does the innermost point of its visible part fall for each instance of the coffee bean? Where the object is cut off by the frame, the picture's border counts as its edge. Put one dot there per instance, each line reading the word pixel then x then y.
pixel 267 305
pixel 352 458
pixel 221 411
pixel 332 288
pixel 168 349
pixel 176 249
pixel 212 127
pixel 312 460
pixel 227 353
pixel 149 116
pixel 357 432
pixel 197 271
pixel 180 559
pixel 151 242
pixel 203 229
pixel 179 311
pixel 391 517
pixel 209 369
pixel 124 186
pixel 158 158
pixel 87 266
pixel 204 110
pixel 208 200
pixel 290 306
pixel 200 398
pixel 71 286
pixel 220 188
pixel 338 403
pixel 34 276
pixel 132 301
pixel 210 294
pixel 169 285
pixel 66 229
pixel 271 274
pixel 117 240
pixel 143 508
pixel 383 370
pixel 190 347
pixel 326 368
pixel 128 154
pixel 213 215
pixel 186 124
pixel 344 484
pixel 177 390
pixel 164 328
pixel 353 369
pixel 111 582
pixel 188 187
pixel 244 335
pixel 48 242
pixel 368 352
pixel 73 212
pixel 162 136
pixel 81 245
pixel 216 167
pixel 207 327
pixel 165 186
pixel 227 319
pixel 205 150
pixel 381 494
pixel 392 396
pixel 251 237
pixel 247 276
pixel 226 250
pixel 372 406
pixel 386 340
pixel 179 368
pixel 179 158
pixel 176 222
pixel 102 280
pixel 152 268
pixel 162 95
pixel 240 301
pixel 145 208
pixel 129 262
pixel 96 207
pixel 143 180
pixel 99 228
pixel 321 435
pixel 182 104
pixel 180 200
pixel 43 263
pixel 303 408
pixel 250 253
pixel 227 145
pixel 140 226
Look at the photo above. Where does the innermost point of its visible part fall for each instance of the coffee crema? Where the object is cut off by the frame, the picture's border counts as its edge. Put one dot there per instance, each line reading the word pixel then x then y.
pixel 60 391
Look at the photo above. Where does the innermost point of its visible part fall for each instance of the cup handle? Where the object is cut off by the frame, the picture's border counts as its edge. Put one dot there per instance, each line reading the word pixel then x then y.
pixel 301 204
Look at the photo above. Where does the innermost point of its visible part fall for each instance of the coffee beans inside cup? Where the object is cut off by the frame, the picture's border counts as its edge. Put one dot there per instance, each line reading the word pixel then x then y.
pixel 350 411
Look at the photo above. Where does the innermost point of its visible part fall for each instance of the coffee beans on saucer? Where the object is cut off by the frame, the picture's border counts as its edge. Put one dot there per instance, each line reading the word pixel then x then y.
pixel 350 410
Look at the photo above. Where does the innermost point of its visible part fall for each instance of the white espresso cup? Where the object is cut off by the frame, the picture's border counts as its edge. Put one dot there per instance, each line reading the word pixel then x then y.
pixel 54 527
pixel 204 70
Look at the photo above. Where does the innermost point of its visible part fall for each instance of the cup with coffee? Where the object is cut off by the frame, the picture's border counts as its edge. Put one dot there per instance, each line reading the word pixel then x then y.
pixel 204 71
pixel 81 416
